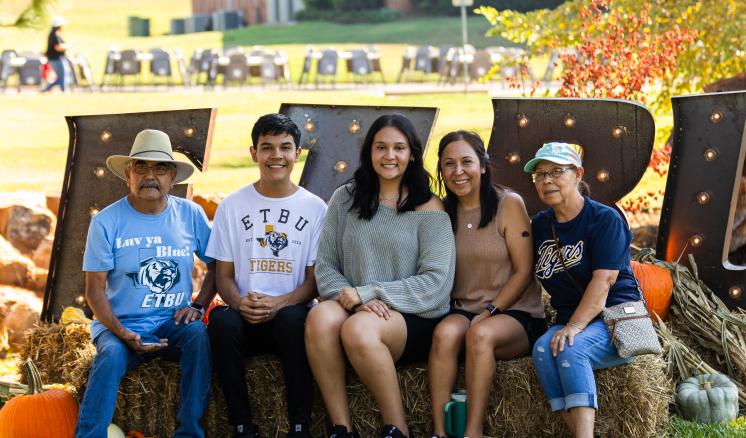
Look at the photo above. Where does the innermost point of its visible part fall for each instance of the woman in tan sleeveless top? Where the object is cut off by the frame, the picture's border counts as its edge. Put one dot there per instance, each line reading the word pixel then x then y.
pixel 496 306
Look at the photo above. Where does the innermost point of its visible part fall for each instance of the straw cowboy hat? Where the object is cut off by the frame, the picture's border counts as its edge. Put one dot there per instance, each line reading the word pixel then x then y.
pixel 150 145
pixel 58 21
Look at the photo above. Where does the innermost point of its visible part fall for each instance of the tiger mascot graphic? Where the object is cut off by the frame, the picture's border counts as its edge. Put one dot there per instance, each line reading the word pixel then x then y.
pixel 276 241
pixel 158 275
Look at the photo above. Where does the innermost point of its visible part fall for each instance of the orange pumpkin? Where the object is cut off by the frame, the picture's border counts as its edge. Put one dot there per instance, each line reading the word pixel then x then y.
pixel 39 413
pixel 657 287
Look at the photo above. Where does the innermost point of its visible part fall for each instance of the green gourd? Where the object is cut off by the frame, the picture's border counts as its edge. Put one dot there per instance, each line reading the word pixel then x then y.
pixel 708 398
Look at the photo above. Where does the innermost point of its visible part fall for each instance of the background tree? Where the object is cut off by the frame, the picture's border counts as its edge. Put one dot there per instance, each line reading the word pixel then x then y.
pixel 36 14
pixel 718 52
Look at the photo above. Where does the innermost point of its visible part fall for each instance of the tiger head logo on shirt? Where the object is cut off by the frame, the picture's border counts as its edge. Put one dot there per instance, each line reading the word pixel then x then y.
pixel 158 275
pixel 276 241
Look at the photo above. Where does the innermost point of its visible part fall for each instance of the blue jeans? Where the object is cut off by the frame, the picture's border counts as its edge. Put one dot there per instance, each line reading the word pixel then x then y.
pixel 60 69
pixel 567 379
pixel 187 343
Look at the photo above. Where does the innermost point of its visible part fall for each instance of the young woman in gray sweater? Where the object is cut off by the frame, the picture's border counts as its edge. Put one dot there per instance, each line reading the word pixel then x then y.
pixel 384 271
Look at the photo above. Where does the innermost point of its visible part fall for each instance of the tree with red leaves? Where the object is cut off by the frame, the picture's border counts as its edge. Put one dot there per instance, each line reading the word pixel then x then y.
pixel 616 56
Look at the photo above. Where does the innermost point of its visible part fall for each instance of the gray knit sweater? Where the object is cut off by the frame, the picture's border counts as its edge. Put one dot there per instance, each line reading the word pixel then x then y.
pixel 406 260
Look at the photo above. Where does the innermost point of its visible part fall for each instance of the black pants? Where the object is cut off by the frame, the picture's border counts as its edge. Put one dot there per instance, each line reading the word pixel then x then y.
pixel 233 339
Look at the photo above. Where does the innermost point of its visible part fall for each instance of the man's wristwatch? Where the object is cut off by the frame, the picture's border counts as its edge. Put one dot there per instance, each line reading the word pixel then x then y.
pixel 198 307
pixel 492 309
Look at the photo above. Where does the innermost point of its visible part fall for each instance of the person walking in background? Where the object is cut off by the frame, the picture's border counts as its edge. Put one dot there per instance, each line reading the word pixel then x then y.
pixel 56 48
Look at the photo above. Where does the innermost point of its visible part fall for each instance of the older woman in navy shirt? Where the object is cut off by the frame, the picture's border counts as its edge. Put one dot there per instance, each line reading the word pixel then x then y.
pixel 591 271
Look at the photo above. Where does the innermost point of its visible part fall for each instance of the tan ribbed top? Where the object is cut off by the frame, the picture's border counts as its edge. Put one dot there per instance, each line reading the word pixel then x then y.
pixel 483 265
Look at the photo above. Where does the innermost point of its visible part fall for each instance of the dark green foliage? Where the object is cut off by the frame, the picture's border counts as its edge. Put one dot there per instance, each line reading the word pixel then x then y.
pixel 356 5
pixel 445 7
pixel 318 5
pixel 381 15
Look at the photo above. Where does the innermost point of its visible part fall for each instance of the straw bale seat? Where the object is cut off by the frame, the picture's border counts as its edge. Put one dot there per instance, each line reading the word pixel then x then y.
pixel 633 398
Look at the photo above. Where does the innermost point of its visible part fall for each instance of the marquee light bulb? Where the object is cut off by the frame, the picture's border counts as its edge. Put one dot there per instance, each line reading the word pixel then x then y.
pixel 735 292
pixel 710 154
pixel 703 198
pixel 354 126
pixel 310 125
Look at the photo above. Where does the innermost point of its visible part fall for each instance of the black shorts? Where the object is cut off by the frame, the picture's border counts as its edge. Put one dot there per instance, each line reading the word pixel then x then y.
pixel 534 327
pixel 419 338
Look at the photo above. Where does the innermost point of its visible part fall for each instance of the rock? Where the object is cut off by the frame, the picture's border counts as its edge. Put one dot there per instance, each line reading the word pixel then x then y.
pixel 18 270
pixel 19 311
pixel 43 252
pixel 53 203
pixel 26 226
pixel 209 203
pixel 31 199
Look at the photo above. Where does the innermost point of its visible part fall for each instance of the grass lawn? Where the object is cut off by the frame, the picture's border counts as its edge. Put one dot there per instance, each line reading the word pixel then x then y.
pixel 37 122
pixel 44 133
pixel 35 149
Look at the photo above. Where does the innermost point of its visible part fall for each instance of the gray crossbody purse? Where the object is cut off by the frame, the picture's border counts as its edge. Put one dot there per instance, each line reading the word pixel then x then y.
pixel 629 323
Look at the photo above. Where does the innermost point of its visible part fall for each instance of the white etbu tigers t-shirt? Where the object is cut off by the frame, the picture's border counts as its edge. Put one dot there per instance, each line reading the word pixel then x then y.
pixel 149 260
pixel 270 241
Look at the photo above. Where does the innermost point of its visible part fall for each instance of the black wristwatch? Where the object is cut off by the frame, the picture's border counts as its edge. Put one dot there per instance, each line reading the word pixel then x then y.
pixel 492 309
pixel 198 307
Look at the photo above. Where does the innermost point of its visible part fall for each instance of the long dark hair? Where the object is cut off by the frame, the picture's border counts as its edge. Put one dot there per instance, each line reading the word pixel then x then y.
pixel 365 188
pixel 488 199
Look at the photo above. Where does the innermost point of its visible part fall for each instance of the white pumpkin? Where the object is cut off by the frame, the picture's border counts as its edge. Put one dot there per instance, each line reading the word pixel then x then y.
pixel 708 398
pixel 114 431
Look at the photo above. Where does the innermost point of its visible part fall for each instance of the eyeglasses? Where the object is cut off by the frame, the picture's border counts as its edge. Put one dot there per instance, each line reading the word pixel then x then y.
pixel 159 169
pixel 555 173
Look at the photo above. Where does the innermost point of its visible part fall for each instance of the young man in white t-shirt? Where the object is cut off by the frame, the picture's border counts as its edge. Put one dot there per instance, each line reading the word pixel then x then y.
pixel 264 239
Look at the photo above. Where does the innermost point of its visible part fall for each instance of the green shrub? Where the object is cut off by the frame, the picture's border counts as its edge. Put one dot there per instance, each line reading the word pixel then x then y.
pixel 356 5
pixel 445 7
pixel 381 15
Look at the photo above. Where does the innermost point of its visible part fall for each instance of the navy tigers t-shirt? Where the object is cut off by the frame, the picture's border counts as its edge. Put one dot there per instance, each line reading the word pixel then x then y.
pixel 597 238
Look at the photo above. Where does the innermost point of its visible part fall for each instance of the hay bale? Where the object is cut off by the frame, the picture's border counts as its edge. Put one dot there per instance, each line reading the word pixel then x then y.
pixel 62 353
pixel 633 401
pixel 633 398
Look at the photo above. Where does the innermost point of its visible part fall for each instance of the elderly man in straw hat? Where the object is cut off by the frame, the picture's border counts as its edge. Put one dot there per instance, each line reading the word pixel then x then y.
pixel 138 263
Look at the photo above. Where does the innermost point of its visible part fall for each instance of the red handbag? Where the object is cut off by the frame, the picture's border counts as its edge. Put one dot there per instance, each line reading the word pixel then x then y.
pixel 48 73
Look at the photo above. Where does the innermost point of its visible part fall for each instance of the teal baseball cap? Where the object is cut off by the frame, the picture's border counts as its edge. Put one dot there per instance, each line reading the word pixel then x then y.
pixel 556 152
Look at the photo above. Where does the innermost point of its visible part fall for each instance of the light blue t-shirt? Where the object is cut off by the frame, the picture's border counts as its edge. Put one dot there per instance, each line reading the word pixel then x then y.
pixel 149 260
